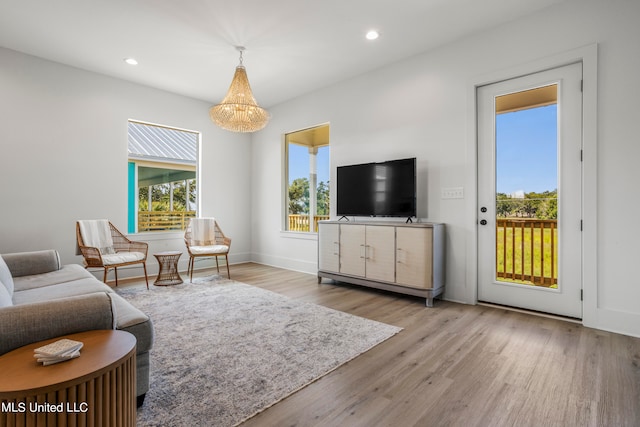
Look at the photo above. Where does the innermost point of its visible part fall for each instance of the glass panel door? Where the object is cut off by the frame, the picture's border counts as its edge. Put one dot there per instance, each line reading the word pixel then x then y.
pixel 530 192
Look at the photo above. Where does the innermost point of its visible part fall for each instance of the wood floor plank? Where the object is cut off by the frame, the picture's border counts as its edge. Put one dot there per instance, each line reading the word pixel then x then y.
pixel 458 365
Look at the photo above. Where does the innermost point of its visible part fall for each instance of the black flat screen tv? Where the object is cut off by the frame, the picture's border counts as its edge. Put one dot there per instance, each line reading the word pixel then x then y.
pixel 377 189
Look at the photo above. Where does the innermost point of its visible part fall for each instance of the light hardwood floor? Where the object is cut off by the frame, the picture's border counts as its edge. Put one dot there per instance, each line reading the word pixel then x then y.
pixel 458 365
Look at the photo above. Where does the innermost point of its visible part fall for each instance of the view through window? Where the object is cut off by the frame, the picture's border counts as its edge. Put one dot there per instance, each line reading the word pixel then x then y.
pixel 307 178
pixel 162 177
pixel 527 187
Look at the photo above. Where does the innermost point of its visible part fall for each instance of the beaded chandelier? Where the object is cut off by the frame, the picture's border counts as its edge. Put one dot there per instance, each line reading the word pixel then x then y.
pixel 239 111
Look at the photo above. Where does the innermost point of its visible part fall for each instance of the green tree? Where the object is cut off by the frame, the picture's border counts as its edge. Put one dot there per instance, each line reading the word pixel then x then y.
pixel 503 205
pixel 548 205
pixel 299 196
pixel 531 204
pixel 534 205
pixel 323 207
pixel 180 195
pixel 161 195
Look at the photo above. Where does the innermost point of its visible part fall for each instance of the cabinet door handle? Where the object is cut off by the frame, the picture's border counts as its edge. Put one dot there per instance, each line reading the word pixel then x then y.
pixel 401 256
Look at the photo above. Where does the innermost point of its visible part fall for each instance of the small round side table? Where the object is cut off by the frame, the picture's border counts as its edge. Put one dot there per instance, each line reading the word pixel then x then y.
pixel 98 388
pixel 168 273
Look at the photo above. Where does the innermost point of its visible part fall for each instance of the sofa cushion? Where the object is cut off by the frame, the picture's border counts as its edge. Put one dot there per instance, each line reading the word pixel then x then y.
pixel 5 298
pixel 35 262
pixel 60 290
pixel 5 276
pixel 30 323
pixel 68 273
pixel 130 319
pixel 126 314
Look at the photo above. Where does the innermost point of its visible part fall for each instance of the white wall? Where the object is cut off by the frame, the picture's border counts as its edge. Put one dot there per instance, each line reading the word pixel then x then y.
pixel 63 145
pixel 420 107
pixel 63 149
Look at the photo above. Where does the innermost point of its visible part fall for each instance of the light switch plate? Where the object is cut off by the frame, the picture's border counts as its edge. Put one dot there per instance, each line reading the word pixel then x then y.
pixel 453 193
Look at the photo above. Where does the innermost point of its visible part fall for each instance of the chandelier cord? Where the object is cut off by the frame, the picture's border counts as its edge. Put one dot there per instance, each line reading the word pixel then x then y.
pixel 240 49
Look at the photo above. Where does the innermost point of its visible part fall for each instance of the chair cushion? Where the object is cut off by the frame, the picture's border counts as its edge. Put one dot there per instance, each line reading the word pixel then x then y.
pixel 5 277
pixel 5 298
pixel 122 258
pixel 204 250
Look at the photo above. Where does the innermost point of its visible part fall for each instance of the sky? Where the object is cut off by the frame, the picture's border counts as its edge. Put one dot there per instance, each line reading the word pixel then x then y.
pixel 299 163
pixel 526 153
pixel 526 150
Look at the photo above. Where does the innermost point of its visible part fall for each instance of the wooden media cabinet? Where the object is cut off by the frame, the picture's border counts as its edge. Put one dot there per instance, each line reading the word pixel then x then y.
pixel 394 256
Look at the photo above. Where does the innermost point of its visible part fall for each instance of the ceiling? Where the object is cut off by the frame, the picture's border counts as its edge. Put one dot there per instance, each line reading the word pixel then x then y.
pixel 532 98
pixel 293 47
pixel 317 136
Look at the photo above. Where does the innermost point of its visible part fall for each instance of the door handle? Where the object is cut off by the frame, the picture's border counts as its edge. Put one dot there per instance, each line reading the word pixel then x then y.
pixel 483 222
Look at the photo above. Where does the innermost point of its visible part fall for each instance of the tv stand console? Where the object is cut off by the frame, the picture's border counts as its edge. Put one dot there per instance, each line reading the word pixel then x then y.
pixel 407 258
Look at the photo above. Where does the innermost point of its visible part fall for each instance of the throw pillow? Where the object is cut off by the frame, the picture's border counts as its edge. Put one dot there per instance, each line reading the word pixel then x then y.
pixel 5 277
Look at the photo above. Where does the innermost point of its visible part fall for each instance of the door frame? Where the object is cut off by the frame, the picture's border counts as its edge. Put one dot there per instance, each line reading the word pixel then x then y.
pixel 588 55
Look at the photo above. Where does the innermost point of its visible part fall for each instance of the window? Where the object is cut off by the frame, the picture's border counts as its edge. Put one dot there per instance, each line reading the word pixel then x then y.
pixel 162 177
pixel 307 162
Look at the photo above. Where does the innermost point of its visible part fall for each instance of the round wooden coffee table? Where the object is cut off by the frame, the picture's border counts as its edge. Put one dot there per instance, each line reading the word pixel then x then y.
pixel 168 272
pixel 97 388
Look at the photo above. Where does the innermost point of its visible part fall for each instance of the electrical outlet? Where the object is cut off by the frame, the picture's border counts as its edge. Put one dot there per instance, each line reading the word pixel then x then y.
pixel 453 193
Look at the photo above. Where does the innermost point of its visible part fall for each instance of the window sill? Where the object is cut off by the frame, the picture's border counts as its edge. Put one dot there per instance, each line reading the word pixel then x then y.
pixel 301 235
pixel 156 235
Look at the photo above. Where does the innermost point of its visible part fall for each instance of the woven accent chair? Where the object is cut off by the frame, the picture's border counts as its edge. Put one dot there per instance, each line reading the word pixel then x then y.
pixel 204 238
pixel 103 246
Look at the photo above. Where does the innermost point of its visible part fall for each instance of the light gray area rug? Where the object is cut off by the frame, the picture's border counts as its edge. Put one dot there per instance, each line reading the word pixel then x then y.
pixel 225 350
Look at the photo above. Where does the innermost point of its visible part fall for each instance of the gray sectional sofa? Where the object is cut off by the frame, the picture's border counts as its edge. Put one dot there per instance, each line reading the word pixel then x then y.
pixel 42 299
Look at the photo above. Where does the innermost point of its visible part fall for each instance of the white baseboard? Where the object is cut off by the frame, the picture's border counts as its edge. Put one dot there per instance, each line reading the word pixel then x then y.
pixel 619 322
pixel 287 263
pixel 136 271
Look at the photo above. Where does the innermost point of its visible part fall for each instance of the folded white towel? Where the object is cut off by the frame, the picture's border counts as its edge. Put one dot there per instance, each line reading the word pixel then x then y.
pixel 203 232
pixel 96 233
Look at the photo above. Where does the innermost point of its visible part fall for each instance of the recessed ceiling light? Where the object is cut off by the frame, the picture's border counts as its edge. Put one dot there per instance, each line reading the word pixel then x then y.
pixel 372 35
pixel 131 61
